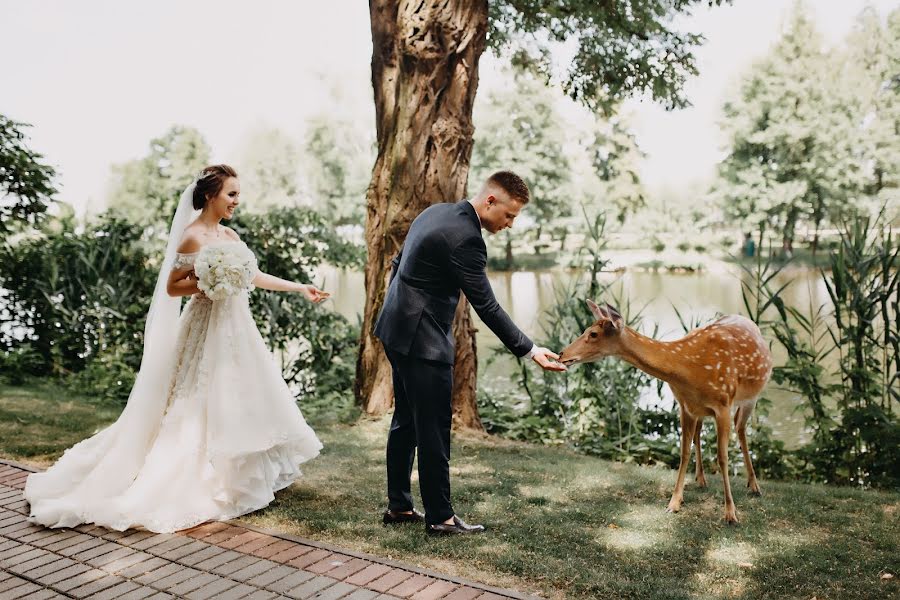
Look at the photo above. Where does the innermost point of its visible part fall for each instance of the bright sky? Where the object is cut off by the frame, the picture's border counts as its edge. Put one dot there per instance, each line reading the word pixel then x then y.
pixel 99 78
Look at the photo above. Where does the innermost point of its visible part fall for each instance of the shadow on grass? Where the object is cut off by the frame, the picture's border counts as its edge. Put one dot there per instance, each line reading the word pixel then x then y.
pixel 828 543
pixel 569 526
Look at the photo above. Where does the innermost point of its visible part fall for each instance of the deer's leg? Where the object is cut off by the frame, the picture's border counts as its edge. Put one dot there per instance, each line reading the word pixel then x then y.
pixel 699 477
pixel 740 421
pixel 723 432
pixel 687 434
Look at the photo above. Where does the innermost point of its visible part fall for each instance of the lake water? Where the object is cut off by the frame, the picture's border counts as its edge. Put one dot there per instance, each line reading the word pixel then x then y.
pixel 526 294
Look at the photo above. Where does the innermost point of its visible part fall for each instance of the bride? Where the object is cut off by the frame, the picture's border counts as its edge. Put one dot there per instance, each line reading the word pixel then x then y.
pixel 210 430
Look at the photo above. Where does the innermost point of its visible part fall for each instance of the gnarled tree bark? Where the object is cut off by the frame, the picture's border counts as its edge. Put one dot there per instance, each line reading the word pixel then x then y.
pixel 425 57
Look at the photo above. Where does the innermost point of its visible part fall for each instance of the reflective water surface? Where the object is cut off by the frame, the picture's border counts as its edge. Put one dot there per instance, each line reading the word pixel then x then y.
pixel 526 294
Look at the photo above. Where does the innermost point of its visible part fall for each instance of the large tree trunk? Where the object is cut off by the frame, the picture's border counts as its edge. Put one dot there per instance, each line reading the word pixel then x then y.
pixel 465 371
pixel 424 74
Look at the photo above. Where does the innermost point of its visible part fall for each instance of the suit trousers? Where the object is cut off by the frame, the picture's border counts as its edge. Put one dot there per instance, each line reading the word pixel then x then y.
pixel 422 418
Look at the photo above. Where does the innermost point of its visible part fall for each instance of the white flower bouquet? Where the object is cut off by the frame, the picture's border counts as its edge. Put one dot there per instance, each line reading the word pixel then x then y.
pixel 225 270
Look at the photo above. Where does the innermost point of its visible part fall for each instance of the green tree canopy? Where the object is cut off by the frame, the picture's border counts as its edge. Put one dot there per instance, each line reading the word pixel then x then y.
pixel 813 134
pixel 147 189
pixel 338 164
pixel 621 47
pixel 773 173
pixel 614 156
pixel 518 127
pixel 26 183
pixel 269 169
pixel 880 49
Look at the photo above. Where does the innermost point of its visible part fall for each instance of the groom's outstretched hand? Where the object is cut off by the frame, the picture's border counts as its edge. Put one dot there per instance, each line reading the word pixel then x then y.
pixel 547 360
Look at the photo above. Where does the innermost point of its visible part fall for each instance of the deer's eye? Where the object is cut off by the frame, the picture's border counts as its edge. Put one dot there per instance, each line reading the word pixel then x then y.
pixel 593 334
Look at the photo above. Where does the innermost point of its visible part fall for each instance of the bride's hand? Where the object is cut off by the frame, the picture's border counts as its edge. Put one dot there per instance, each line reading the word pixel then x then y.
pixel 314 294
pixel 192 276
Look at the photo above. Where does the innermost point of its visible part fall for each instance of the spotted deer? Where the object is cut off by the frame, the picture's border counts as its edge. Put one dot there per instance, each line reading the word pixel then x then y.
pixel 710 370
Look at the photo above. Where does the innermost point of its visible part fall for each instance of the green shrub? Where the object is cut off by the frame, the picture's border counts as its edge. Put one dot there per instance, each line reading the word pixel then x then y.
pixel 77 294
pixel 20 364
pixel 104 378
pixel 77 299
pixel 852 409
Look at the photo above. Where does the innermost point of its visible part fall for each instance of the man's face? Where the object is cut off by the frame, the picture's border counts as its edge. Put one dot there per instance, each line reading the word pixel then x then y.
pixel 500 212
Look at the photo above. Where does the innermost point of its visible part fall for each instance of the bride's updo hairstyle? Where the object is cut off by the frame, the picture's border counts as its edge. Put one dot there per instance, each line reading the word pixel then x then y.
pixel 210 183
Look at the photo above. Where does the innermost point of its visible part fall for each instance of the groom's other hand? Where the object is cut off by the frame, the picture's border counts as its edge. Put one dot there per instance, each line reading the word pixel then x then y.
pixel 547 360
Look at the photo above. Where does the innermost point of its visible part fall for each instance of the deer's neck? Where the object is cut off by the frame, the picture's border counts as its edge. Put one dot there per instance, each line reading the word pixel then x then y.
pixel 654 357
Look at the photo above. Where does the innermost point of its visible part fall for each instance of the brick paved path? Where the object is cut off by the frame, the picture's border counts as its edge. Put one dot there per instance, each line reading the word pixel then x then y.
pixel 218 560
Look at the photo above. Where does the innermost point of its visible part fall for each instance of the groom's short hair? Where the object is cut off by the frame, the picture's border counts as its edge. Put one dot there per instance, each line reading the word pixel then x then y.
pixel 512 184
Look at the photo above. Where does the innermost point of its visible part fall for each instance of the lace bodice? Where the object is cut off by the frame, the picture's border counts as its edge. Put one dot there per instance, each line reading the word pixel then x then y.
pixel 184 260
pixel 187 260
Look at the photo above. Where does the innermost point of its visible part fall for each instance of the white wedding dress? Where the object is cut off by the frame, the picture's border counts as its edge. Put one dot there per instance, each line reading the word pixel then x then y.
pixel 226 435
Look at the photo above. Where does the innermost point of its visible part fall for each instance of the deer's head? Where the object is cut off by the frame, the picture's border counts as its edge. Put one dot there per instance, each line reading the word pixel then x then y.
pixel 599 340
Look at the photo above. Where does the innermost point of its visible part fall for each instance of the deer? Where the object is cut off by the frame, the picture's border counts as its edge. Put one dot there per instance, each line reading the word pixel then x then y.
pixel 711 370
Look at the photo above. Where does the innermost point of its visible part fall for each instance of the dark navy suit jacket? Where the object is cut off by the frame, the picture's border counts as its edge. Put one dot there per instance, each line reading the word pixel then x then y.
pixel 443 254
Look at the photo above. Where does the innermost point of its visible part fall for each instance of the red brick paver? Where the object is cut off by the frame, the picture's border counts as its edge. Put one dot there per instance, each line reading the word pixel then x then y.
pixel 464 593
pixel 273 549
pixel 411 586
pixel 351 567
pixel 368 574
pixel 309 558
pixel 391 579
pixel 436 590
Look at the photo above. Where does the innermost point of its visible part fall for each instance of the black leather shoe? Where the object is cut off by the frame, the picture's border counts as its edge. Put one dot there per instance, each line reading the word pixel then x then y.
pixel 457 527
pixel 395 517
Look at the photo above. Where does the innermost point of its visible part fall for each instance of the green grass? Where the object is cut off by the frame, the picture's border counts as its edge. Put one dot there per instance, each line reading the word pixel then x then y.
pixel 38 422
pixel 560 524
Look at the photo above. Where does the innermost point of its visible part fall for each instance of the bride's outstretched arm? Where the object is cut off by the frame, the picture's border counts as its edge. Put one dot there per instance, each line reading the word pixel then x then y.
pixel 277 284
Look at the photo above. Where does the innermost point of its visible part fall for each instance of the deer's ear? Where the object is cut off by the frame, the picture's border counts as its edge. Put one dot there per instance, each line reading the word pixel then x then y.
pixel 615 316
pixel 596 310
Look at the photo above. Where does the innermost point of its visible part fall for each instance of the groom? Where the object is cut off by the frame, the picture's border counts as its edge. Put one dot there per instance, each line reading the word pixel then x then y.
pixel 443 254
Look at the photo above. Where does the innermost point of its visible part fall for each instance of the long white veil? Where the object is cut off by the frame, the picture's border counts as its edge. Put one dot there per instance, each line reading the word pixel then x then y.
pixel 123 446
pixel 150 394
pixel 159 331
